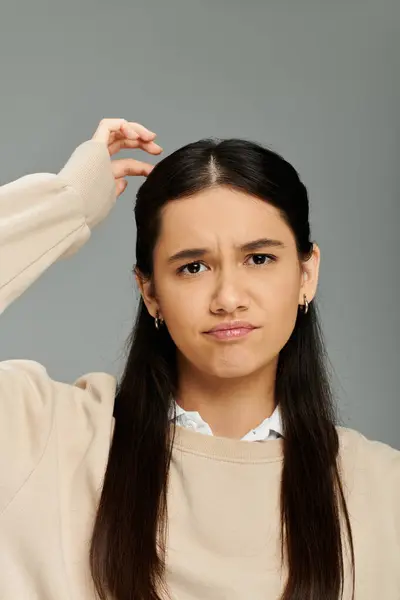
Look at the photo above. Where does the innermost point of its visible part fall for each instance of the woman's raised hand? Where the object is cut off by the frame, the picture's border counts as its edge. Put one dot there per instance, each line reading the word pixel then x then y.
pixel 119 134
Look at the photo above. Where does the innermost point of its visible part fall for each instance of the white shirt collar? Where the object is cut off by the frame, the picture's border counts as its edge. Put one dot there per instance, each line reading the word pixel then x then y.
pixel 270 428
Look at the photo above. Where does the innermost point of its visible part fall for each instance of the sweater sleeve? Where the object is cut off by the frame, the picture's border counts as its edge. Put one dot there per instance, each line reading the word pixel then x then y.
pixel 381 465
pixel 43 218
pixel 396 497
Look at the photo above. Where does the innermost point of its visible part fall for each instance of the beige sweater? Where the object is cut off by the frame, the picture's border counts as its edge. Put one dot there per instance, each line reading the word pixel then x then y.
pixel 224 494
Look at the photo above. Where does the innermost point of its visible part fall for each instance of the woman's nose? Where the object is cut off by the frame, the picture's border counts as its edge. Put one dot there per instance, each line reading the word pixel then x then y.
pixel 229 295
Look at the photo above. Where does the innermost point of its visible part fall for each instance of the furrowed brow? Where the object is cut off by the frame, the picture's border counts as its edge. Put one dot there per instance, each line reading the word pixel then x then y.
pixel 253 246
pixel 260 244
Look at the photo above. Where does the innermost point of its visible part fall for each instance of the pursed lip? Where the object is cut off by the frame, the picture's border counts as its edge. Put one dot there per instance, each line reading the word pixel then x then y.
pixel 229 325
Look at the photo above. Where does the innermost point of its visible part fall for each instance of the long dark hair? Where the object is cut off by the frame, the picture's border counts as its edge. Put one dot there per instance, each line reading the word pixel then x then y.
pixel 127 555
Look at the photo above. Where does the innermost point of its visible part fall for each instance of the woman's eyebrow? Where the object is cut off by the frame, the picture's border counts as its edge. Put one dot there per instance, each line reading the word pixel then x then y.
pixel 194 253
pixel 188 254
pixel 260 244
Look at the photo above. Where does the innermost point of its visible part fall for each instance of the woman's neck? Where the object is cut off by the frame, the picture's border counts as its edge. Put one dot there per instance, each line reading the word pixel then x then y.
pixel 231 407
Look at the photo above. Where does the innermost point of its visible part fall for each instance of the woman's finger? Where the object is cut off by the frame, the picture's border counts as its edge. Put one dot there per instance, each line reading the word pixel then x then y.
pixel 145 134
pixel 120 186
pixel 124 143
pixel 109 128
pixel 106 127
pixel 117 135
pixel 150 147
pixel 130 167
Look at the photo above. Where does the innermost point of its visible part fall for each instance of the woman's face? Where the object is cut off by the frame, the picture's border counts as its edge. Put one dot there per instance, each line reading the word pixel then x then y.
pixel 212 267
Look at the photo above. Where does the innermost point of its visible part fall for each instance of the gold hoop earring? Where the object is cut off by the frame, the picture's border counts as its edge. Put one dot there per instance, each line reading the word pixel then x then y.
pixel 158 321
pixel 306 305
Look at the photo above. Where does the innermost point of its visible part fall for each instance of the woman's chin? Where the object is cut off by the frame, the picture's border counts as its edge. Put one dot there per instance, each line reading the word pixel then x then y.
pixel 232 370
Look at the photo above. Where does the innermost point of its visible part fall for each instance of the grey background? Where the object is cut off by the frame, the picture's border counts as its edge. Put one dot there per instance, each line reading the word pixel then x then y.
pixel 316 81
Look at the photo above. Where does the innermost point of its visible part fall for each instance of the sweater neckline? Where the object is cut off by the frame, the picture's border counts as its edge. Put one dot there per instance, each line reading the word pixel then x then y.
pixel 227 449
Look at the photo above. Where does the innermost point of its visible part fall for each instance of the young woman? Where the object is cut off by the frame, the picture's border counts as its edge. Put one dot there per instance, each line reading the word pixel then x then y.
pixel 216 467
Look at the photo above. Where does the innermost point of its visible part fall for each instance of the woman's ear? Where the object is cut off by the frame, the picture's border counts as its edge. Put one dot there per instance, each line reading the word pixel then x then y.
pixel 146 288
pixel 310 274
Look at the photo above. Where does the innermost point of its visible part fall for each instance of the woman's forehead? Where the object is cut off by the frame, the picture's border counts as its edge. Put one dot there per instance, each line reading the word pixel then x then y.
pixel 220 214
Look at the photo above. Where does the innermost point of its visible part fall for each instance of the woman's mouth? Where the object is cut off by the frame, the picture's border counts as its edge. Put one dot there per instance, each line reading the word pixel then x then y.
pixel 231 331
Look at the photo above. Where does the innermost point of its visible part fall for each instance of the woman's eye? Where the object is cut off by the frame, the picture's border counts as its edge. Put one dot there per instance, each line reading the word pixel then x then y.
pixel 261 259
pixel 194 268
pixel 191 269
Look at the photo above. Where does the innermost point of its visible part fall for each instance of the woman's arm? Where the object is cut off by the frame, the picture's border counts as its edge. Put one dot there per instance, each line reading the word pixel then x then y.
pixel 44 217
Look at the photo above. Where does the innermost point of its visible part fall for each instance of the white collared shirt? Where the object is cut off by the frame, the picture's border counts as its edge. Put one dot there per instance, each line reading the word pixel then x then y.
pixel 269 429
